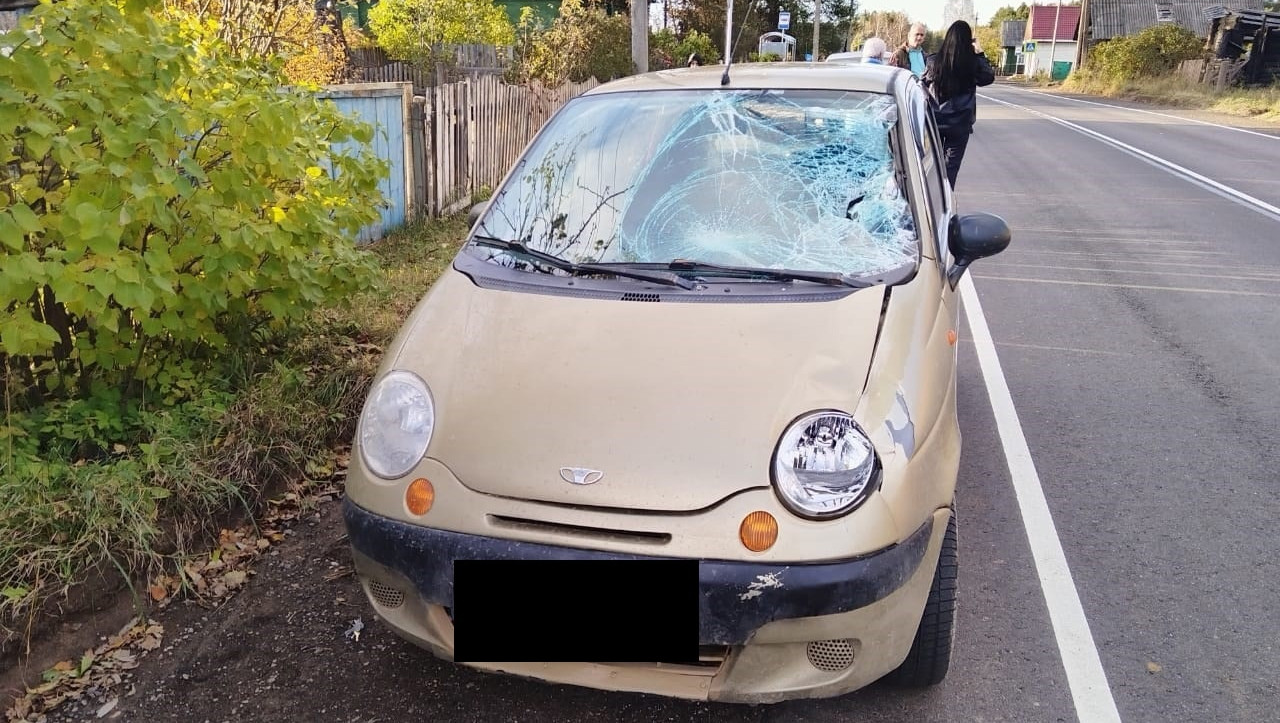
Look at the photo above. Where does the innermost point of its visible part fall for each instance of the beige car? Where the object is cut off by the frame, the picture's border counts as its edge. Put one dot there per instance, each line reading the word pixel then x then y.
pixel 710 318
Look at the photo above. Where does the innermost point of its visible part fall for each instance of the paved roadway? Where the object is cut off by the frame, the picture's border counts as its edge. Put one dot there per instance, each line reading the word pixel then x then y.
pixel 1136 328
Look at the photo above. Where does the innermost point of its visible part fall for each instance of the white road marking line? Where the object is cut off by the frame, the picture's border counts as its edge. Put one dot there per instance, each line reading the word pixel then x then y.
pixel 1186 289
pixel 1041 347
pixel 1152 112
pixel 1187 174
pixel 1130 260
pixel 1198 275
pixel 1090 691
pixel 1100 254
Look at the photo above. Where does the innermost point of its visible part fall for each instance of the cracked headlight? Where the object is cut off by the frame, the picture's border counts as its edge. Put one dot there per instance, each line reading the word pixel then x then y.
pixel 824 465
pixel 396 424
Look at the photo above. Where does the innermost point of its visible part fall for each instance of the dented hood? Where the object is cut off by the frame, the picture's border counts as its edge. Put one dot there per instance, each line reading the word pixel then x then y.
pixel 675 405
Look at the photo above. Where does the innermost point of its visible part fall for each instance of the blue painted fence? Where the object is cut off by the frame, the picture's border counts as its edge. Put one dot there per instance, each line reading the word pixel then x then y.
pixel 385 106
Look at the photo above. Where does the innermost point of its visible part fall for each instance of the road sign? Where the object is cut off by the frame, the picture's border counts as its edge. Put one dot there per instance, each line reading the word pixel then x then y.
pixel 784 20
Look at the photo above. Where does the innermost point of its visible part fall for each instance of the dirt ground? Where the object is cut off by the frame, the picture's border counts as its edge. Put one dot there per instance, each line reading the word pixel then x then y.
pixel 283 648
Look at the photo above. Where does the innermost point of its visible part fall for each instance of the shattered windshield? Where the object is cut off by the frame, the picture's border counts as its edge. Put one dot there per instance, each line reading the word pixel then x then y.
pixel 796 179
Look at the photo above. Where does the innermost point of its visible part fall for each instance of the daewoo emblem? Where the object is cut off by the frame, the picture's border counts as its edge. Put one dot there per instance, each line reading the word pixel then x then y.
pixel 580 475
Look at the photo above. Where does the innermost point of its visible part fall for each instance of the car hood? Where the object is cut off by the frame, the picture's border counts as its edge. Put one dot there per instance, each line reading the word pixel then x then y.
pixel 671 406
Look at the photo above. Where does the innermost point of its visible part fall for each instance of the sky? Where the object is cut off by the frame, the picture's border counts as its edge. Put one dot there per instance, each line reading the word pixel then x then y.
pixel 930 11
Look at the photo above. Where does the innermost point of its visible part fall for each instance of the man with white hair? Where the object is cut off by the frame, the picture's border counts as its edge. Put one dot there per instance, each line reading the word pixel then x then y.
pixel 911 53
pixel 873 51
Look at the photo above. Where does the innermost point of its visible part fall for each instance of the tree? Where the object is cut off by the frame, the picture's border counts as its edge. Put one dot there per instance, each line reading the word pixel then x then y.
pixel 582 42
pixel 310 41
pixel 1008 12
pixel 408 29
pixel 890 26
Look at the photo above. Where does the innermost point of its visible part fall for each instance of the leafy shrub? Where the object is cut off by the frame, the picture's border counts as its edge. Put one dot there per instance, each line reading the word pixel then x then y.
pixel 583 42
pixel 1155 51
pixel 409 29
pixel 310 42
pixel 666 50
pixel 166 203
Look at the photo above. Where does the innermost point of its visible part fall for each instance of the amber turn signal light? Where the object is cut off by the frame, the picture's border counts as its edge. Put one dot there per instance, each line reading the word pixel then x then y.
pixel 419 496
pixel 758 531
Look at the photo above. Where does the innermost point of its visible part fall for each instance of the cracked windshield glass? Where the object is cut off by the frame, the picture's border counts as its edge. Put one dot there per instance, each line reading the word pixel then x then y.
pixel 795 179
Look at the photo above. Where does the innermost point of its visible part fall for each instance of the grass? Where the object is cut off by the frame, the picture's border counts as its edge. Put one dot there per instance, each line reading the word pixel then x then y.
pixel 1261 103
pixel 145 509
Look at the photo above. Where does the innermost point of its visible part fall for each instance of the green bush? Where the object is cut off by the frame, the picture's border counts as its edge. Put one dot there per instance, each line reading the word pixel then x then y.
pixel 165 206
pixel 408 29
pixel 583 42
pixel 1155 51
pixel 668 51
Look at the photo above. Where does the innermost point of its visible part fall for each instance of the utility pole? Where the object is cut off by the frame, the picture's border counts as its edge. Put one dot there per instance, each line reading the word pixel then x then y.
pixel 817 20
pixel 1082 34
pixel 1053 43
pixel 640 35
pixel 728 35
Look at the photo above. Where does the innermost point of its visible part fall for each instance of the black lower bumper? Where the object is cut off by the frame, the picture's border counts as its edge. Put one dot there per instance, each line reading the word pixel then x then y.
pixel 729 612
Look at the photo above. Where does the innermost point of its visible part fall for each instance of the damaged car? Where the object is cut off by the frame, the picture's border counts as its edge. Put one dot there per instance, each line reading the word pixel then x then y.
pixel 709 316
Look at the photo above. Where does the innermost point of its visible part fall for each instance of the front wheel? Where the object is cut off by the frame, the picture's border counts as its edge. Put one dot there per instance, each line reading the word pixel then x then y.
pixel 930 655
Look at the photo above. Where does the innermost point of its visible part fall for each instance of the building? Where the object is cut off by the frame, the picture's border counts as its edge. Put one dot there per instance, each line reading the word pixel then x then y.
pixel 1011 59
pixel 1050 43
pixel 1121 18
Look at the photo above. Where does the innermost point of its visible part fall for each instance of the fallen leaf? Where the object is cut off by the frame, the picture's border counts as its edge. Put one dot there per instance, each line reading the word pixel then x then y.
pixel 158 593
pixel 107 707
pixel 1153 667
pixel 234 579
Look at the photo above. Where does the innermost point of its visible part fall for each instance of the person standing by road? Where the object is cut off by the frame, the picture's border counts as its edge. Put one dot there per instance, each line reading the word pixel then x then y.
pixel 910 55
pixel 873 51
pixel 952 76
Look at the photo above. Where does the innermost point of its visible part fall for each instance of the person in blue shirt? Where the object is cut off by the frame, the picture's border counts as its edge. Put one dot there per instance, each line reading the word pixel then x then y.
pixel 873 51
pixel 910 55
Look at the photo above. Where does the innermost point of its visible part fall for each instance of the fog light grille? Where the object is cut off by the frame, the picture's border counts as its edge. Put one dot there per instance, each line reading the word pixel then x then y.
pixel 385 595
pixel 830 655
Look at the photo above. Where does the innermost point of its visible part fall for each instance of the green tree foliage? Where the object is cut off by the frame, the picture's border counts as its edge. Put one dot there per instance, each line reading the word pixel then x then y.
pixel 408 29
pixel 1153 52
pixel 311 42
pixel 989 40
pixel 668 51
pixel 165 202
pixel 583 42
pixel 1008 12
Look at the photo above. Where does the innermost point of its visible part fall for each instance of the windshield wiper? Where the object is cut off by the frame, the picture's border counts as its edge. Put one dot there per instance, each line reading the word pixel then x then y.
pixel 583 269
pixel 833 278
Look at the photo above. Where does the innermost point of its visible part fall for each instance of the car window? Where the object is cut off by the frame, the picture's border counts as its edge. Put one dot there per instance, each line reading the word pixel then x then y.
pixel 934 167
pixel 799 179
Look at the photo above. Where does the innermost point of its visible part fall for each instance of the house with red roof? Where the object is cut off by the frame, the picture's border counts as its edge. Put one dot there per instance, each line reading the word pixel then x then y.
pixel 1052 35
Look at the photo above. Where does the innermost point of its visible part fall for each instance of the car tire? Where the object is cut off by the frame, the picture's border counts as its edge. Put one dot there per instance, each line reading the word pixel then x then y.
pixel 930 656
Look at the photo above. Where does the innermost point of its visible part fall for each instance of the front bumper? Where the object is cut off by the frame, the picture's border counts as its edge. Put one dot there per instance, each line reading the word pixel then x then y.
pixel 871 604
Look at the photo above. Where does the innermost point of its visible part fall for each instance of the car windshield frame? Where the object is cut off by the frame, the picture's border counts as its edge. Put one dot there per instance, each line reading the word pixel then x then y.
pixel 807 179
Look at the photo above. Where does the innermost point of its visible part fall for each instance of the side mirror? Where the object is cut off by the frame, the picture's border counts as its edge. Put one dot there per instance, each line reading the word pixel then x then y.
pixel 975 236
pixel 474 214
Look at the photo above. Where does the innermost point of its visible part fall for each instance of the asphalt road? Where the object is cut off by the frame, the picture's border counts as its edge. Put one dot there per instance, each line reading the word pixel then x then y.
pixel 1135 323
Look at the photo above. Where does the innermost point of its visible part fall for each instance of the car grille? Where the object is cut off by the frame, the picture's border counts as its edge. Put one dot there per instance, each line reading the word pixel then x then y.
pixel 595 533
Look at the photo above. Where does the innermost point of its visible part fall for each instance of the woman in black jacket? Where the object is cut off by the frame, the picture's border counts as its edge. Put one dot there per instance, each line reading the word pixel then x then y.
pixel 952 76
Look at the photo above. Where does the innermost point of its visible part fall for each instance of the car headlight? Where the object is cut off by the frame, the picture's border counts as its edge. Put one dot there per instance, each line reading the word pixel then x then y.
pixel 824 465
pixel 396 424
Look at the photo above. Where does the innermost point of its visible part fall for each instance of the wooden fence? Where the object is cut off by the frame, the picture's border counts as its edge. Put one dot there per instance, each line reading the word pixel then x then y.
pixel 456 62
pixel 466 135
pixel 444 146
pixel 1219 73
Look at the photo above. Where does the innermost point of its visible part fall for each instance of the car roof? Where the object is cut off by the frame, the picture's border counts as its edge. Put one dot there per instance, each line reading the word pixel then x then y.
pixel 835 76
